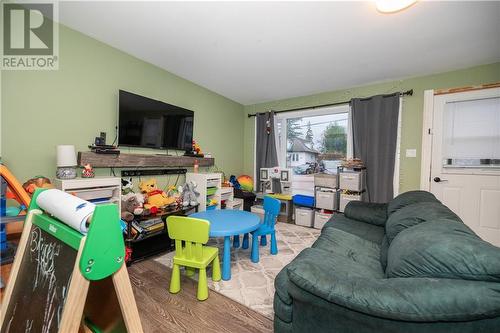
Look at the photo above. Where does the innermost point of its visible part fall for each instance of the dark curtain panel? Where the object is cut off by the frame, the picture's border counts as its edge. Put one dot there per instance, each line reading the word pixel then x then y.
pixel 265 152
pixel 375 130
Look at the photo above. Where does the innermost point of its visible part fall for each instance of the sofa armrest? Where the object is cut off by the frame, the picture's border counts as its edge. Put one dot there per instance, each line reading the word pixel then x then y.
pixel 406 299
pixel 373 213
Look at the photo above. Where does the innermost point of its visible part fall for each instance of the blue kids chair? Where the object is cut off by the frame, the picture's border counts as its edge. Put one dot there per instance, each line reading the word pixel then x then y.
pixel 271 211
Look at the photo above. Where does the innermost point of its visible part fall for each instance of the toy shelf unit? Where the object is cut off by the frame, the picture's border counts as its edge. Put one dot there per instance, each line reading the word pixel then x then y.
pixel 209 186
pixel 98 190
pixel 351 185
pixel 148 236
pixel 228 201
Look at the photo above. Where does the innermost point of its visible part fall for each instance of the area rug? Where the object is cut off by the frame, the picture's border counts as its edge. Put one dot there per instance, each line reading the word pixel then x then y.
pixel 252 284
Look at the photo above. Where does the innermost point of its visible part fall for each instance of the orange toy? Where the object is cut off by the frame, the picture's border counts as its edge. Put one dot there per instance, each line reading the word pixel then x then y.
pixel 16 191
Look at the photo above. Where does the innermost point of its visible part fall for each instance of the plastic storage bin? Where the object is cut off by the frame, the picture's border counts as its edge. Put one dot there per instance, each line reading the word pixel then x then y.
pixel 320 219
pixel 346 198
pixel 303 200
pixel 351 180
pixel 326 198
pixel 324 180
pixel 304 216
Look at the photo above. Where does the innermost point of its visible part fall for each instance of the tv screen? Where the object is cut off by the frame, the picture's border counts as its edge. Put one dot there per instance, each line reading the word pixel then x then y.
pixel 145 122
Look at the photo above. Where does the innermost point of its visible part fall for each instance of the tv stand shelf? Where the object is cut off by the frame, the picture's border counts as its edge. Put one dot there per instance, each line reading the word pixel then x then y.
pixel 139 160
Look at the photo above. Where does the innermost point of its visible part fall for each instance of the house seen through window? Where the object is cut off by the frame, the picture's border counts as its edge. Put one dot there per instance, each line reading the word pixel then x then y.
pixel 314 144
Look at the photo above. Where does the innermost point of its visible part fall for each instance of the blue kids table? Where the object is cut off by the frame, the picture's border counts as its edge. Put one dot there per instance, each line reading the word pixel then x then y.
pixel 226 223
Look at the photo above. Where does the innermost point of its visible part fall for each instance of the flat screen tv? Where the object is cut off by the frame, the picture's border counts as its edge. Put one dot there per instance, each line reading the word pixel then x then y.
pixel 148 123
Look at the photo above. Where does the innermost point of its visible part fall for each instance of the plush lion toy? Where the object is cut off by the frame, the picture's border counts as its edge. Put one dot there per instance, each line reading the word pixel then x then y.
pixel 36 182
pixel 154 196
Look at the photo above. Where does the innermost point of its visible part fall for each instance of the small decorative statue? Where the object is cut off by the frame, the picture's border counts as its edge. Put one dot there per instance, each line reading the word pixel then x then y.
pixel 87 171
pixel 189 194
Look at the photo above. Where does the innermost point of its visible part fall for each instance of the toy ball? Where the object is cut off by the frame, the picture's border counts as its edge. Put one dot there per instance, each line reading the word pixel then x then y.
pixel 246 182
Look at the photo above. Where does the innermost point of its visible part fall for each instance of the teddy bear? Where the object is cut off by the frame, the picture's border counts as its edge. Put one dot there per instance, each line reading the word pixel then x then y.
pixel 154 196
pixel 130 208
pixel 189 194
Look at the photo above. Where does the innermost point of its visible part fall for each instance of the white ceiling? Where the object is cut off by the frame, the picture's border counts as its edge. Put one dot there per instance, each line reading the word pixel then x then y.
pixel 253 52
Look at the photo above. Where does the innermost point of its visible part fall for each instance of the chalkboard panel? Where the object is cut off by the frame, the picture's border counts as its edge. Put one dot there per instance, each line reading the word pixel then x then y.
pixel 42 285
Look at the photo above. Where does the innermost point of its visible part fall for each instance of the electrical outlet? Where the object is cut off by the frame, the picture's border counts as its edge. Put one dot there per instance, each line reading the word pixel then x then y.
pixel 411 153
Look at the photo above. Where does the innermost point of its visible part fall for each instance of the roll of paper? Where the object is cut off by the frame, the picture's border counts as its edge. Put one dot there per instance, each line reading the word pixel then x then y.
pixel 71 210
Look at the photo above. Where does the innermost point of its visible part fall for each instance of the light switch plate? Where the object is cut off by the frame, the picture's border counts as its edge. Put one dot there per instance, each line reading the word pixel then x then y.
pixel 411 153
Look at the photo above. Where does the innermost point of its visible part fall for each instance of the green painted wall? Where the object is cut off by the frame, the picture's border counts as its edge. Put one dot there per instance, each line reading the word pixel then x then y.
pixel 412 111
pixel 41 109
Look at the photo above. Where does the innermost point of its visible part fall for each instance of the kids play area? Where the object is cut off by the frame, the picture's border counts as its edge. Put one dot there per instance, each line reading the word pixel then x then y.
pixel 250 166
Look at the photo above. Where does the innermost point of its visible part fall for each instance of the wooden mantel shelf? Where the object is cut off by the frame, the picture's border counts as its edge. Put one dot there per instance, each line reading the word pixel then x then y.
pixel 139 160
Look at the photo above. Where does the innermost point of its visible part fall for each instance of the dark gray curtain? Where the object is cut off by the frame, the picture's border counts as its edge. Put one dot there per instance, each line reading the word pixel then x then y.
pixel 266 155
pixel 375 131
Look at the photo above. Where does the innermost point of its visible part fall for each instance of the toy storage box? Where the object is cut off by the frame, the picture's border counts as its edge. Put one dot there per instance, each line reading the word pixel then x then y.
pixel 304 216
pixel 320 219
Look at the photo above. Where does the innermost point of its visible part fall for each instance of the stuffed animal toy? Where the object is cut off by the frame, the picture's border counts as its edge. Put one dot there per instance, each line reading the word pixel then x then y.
pixel 36 182
pixel 189 194
pixel 127 186
pixel 131 208
pixel 154 196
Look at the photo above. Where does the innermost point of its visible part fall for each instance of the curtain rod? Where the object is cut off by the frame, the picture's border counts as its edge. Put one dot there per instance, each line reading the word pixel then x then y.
pixel 405 93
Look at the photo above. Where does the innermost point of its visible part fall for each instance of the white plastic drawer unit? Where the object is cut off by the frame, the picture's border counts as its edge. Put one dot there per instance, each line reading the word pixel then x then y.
pixel 326 198
pixel 304 216
pixel 351 180
pixel 320 219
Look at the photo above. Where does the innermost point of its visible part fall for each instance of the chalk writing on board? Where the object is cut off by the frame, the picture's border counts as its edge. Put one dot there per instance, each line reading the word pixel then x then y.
pixel 41 287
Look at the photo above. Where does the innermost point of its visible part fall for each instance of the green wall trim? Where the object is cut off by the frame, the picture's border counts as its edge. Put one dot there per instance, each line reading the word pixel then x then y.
pixel 412 115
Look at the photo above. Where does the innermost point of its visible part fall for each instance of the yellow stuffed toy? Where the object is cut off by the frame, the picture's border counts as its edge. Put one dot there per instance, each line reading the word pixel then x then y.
pixel 154 196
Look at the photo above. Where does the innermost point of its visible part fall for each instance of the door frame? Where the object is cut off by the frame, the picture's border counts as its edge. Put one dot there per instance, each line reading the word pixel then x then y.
pixel 426 156
pixel 427 131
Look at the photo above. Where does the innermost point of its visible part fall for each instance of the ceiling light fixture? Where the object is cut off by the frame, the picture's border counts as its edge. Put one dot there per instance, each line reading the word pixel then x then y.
pixel 393 6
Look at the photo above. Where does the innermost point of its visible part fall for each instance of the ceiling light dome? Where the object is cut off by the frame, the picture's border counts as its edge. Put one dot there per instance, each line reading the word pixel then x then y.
pixel 392 6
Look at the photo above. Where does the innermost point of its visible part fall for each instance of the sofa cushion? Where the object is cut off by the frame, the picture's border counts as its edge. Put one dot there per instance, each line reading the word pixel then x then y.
pixel 370 232
pixel 443 249
pixel 408 198
pixel 373 213
pixel 414 214
pixel 359 254
pixel 384 249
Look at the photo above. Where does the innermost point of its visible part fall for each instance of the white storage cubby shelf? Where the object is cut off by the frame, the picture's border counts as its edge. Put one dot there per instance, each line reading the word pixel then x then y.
pixel 98 190
pixel 212 182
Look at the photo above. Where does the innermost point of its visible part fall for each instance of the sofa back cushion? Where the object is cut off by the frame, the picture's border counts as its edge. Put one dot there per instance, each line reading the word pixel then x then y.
pixel 442 249
pixel 414 214
pixel 408 198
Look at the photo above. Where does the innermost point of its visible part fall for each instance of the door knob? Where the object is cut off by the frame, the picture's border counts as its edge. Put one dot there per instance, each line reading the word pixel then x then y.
pixel 438 180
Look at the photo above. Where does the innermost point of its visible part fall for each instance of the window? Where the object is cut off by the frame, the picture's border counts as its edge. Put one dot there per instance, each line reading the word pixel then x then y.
pixel 313 141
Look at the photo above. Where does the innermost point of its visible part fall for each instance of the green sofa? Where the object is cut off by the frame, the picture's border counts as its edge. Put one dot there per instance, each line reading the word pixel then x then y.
pixel 410 265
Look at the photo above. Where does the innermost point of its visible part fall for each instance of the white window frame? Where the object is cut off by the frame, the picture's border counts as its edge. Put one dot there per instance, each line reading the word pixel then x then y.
pixel 284 116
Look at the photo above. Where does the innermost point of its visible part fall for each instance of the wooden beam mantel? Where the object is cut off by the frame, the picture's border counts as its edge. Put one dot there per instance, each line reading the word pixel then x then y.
pixel 139 160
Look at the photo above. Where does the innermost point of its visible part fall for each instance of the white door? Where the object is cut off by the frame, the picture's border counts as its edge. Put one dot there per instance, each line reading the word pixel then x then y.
pixel 465 158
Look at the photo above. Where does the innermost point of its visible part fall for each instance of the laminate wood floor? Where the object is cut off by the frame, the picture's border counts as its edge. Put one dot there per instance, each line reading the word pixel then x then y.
pixel 161 311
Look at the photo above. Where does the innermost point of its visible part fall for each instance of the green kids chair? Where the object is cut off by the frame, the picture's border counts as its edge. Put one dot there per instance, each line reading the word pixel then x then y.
pixel 190 234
